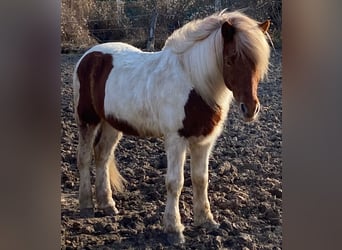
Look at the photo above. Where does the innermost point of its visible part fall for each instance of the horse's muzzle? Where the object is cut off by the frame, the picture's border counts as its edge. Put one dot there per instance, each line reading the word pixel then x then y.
pixel 249 113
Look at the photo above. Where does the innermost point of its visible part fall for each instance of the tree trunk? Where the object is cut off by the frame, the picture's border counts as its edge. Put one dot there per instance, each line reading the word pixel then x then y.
pixel 218 5
pixel 119 11
pixel 151 33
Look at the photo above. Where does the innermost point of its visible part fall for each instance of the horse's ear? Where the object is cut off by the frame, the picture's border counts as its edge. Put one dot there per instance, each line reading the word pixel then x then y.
pixel 265 26
pixel 227 31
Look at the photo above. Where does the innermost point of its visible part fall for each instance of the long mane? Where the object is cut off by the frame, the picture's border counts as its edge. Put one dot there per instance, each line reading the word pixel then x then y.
pixel 250 41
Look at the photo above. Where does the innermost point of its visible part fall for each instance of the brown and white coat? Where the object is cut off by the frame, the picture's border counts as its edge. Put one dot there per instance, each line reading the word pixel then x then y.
pixel 181 93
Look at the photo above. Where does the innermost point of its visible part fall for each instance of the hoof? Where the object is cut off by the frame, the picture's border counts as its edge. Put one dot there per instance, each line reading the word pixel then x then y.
pixel 110 211
pixel 175 238
pixel 208 225
pixel 86 212
pixel 211 225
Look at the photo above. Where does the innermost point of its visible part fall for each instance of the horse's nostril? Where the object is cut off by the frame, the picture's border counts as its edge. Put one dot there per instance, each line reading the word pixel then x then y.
pixel 243 108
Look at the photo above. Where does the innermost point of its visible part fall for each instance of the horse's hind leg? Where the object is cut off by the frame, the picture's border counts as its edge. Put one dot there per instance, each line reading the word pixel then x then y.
pixel 107 175
pixel 199 177
pixel 84 157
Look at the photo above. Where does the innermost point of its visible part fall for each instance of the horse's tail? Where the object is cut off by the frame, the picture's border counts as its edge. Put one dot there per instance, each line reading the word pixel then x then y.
pixel 116 180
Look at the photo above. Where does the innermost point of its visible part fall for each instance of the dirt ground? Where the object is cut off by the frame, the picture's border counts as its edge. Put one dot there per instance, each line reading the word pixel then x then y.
pixel 245 188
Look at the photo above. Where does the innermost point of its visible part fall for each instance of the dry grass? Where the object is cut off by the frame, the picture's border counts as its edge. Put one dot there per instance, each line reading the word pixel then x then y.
pixel 87 22
pixel 74 29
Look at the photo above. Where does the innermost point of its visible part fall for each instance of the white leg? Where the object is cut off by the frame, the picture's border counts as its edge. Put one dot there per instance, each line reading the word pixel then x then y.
pixel 176 150
pixel 104 160
pixel 199 177
pixel 84 157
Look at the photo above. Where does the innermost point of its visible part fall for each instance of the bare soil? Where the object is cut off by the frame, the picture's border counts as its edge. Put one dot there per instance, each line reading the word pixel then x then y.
pixel 245 188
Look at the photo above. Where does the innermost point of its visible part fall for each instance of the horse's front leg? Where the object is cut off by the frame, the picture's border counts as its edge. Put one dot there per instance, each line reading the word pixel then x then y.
pixel 199 177
pixel 176 150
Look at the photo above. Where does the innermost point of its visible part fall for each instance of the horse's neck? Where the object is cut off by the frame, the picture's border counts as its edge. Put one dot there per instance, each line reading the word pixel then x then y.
pixel 205 69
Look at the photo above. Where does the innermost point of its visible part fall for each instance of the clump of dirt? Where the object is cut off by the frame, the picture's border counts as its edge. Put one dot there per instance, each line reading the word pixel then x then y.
pixel 245 188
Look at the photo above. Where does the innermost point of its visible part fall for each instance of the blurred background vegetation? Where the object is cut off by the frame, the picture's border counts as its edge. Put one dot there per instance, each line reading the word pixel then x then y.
pixel 85 23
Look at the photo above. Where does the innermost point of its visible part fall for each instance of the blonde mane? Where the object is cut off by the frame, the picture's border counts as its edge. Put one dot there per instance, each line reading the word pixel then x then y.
pixel 249 39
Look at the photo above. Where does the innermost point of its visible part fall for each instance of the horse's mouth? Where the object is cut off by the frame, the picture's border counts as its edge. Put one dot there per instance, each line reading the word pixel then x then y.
pixel 249 119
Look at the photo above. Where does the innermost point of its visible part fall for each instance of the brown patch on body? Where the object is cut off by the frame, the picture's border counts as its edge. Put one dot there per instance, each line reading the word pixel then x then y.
pixel 122 126
pixel 200 119
pixel 93 72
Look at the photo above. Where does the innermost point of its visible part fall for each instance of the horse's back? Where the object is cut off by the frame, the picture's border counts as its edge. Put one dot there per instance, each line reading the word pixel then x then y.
pixel 113 47
pixel 110 48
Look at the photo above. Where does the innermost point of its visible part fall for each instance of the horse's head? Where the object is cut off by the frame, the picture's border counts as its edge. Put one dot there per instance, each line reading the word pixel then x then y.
pixel 240 72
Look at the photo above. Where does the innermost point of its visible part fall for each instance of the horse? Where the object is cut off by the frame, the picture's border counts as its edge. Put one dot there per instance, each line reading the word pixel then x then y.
pixel 181 93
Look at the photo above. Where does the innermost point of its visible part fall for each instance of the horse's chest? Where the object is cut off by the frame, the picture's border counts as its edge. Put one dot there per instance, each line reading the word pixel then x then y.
pixel 200 119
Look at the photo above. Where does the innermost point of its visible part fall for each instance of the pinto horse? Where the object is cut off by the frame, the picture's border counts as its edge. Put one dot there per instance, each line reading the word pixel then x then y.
pixel 181 93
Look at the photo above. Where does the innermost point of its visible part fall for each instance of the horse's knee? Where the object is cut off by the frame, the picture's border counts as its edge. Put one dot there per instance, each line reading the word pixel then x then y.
pixel 174 185
pixel 199 181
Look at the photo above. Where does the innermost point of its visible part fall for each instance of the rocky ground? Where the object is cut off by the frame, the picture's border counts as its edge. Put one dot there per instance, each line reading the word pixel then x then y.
pixel 245 188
